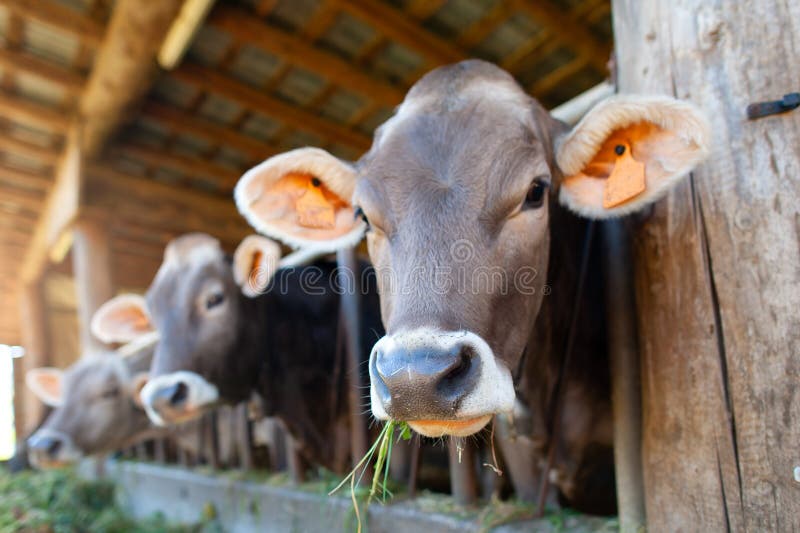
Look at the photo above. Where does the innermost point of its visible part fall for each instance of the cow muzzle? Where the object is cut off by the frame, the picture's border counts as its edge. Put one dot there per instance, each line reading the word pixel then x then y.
pixel 441 383
pixel 177 397
pixel 48 448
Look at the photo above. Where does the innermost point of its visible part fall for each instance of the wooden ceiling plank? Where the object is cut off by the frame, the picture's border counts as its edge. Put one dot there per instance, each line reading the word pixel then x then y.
pixel 265 7
pixel 24 111
pixel 189 124
pixel 125 67
pixel 13 145
pixel 401 28
pixel 21 62
pixel 483 27
pixel 57 15
pixel 20 197
pixel 569 30
pixel 298 51
pixel 123 70
pixel 24 179
pixel 424 9
pixel 126 184
pixel 550 81
pixel 225 177
pixel 210 81
pixel 541 44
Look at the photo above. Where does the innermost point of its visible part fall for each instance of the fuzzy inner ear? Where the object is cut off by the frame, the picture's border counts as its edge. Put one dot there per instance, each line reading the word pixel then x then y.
pixel 254 263
pixel 302 198
pixel 45 383
pixel 628 152
pixel 122 319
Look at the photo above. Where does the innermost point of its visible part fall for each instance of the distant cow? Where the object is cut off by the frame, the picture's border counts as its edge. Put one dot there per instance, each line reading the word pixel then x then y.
pixel 458 199
pixel 231 326
pixel 95 407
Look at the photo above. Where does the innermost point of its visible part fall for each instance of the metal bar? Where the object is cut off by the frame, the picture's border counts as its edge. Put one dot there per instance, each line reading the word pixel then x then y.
pixel 626 393
pixel 413 471
pixel 463 478
pixel 557 399
pixel 243 437
pixel 350 314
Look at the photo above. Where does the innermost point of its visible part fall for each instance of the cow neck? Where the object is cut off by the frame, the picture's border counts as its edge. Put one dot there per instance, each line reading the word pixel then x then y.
pixel 549 336
pixel 253 344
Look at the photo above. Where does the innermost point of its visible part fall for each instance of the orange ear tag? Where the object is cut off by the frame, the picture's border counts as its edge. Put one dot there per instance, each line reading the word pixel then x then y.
pixel 313 209
pixel 626 179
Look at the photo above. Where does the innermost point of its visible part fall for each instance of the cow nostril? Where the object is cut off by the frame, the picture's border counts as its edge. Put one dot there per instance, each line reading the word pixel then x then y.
pixel 460 367
pixel 53 447
pixel 180 395
pixel 456 381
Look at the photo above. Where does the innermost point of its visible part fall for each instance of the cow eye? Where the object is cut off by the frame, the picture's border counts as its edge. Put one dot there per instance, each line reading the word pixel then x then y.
pixel 359 213
pixel 110 393
pixel 214 299
pixel 536 194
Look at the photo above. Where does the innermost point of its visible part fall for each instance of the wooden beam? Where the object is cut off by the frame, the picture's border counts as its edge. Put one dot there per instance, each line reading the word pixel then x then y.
pixel 20 62
pixel 188 166
pixel 12 145
pixel 91 260
pixel 182 122
pixel 26 112
pixel 424 9
pixel 124 68
pixel 567 29
pixel 242 26
pixel 211 81
pixel 63 18
pixel 401 28
pixel 60 208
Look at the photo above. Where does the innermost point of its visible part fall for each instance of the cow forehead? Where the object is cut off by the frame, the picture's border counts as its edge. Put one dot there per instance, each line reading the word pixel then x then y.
pixel 194 248
pixel 185 254
pixel 456 96
pixel 94 372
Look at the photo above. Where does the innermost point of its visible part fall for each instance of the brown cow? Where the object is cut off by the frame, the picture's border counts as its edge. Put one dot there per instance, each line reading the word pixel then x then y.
pixel 462 193
pixel 95 407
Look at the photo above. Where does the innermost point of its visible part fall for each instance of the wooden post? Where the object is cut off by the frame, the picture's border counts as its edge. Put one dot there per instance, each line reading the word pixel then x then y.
pixel 413 471
pixel 28 409
pixel 296 463
pixel 350 314
pixel 245 452
pixel 93 281
pixel 716 269
pixel 463 478
pixel 626 398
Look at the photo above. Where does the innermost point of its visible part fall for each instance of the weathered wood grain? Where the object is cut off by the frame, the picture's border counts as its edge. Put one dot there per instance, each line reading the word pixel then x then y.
pixel 718 269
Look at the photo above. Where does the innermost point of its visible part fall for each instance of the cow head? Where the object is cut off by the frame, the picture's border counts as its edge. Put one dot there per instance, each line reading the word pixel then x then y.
pixel 197 302
pixel 95 404
pixel 457 192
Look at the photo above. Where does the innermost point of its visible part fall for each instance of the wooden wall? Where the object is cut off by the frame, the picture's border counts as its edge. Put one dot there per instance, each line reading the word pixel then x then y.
pixel 718 269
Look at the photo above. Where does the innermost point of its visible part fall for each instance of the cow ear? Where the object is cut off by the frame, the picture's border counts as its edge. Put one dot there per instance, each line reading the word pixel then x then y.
pixel 122 319
pixel 45 383
pixel 254 263
pixel 302 198
pixel 627 152
pixel 137 384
